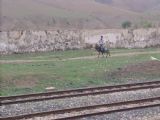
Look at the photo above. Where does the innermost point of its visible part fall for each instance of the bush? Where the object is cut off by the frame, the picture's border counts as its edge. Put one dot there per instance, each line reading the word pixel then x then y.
pixel 126 24
pixel 146 24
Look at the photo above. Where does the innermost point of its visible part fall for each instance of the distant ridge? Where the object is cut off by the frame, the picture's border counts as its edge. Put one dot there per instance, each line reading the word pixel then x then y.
pixel 81 14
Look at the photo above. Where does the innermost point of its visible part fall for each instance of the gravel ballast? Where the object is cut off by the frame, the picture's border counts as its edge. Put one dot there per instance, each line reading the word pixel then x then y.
pixel 141 114
pixel 25 108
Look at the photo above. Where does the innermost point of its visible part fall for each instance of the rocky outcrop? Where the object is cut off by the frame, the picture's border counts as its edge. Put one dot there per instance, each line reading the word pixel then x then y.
pixel 139 38
pixel 54 40
pixel 36 41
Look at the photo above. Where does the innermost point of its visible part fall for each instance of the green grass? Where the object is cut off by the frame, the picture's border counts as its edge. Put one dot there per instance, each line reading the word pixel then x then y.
pixel 49 55
pixel 67 54
pixel 35 77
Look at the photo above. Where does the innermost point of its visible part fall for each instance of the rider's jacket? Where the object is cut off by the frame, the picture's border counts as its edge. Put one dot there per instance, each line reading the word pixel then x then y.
pixel 101 42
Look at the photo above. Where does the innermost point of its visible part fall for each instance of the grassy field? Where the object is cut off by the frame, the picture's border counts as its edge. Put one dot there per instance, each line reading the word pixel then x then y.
pixel 62 73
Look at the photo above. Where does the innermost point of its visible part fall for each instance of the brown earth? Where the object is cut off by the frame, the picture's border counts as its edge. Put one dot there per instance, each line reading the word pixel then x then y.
pixel 26 81
pixel 144 69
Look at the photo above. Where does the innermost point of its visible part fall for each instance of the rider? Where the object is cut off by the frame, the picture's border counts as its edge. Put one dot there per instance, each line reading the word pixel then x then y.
pixel 101 43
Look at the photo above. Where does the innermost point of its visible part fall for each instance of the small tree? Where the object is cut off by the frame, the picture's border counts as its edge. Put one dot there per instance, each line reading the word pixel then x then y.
pixel 147 24
pixel 126 24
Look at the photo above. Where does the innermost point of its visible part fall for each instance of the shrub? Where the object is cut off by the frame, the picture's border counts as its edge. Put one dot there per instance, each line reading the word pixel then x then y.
pixel 146 24
pixel 126 24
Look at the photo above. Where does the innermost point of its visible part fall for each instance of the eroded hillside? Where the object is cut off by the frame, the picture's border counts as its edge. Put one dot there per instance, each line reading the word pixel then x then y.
pixel 90 14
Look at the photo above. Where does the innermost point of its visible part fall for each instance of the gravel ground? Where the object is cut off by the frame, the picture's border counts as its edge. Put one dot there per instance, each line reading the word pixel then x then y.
pixel 143 114
pixel 63 115
pixel 24 108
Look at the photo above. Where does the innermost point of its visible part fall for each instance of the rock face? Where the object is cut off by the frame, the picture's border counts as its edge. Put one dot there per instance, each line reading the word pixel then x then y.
pixel 139 38
pixel 36 41
pixel 53 40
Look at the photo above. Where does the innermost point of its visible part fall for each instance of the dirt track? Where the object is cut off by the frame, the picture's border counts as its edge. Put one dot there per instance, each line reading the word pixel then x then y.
pixel 77 58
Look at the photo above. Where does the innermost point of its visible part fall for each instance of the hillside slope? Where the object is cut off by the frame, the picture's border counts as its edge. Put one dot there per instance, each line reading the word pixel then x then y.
pixel 132 5
pixel 49 14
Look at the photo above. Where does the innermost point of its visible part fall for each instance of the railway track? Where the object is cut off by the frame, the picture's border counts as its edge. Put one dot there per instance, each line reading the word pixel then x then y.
pixel 88 111
pixel 77 93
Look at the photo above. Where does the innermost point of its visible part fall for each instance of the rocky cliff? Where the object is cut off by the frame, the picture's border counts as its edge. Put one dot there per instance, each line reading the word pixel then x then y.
pixel 36 41
pixel 139 38
pixel 52 40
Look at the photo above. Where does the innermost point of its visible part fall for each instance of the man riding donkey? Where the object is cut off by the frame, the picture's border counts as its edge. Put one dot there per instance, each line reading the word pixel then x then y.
pixel 100 47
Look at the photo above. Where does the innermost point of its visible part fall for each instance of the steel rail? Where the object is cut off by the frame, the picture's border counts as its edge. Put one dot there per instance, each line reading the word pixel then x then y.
pixel 107 112
pixel 78 109
pixel 80 94
pixel 77 90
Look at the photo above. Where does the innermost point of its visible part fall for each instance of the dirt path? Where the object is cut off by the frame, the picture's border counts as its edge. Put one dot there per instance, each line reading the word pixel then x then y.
pixel 77 58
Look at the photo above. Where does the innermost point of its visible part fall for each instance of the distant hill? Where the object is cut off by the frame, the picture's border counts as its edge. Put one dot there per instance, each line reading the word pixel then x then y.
pixel 132 5
pixel 88 14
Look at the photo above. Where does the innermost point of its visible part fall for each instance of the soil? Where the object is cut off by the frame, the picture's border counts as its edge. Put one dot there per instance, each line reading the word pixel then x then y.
pixel 26 82
pixel 148 68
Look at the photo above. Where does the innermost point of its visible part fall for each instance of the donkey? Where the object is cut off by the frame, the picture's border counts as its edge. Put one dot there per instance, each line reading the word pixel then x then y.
pixel 102 51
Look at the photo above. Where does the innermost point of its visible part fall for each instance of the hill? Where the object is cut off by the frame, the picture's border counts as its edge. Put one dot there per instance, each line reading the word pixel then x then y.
pixel 132 5
pixel 89 14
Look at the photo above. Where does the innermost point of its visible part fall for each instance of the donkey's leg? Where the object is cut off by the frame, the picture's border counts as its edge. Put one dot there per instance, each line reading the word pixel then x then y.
pixel 103 54
pixel 106 55
pixel 98 54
